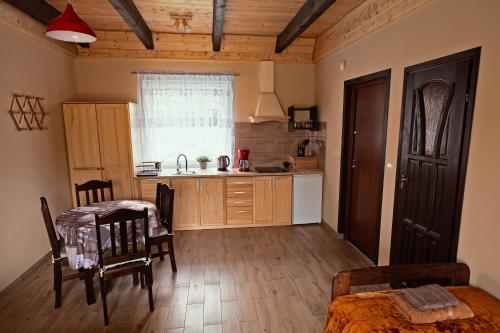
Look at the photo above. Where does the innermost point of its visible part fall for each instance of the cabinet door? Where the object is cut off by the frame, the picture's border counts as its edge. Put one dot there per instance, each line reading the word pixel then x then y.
pixel 147 188
pixel 115 148
pixel 82 142
pixel 186 203
pixel 263 200
pixel 212 201
pixel 282 199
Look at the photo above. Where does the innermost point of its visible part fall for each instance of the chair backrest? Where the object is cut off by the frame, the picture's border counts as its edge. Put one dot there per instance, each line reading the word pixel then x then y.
pixel 92 186
pixel 51 232
pixel 125 219
pixel 165 205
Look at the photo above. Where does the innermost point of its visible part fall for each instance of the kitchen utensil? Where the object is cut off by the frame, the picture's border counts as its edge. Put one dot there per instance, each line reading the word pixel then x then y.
pixel 223 162
pixel 301 149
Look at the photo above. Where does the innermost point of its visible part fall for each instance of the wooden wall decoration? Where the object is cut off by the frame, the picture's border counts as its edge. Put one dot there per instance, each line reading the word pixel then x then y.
pixel 27 112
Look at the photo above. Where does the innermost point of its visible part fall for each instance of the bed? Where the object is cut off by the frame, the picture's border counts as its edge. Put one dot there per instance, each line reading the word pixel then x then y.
pixel 374 311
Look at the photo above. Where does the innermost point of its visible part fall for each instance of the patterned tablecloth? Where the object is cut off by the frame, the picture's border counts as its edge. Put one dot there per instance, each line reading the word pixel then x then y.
pixel 77 227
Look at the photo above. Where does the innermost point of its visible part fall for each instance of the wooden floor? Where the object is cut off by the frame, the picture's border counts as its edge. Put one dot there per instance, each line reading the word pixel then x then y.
pixel 275 279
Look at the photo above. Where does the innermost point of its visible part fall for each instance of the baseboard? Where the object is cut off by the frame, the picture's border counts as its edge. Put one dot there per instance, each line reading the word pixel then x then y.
pixel 329 229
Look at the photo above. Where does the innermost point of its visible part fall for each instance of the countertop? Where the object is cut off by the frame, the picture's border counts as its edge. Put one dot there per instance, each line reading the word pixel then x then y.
pixel 212 172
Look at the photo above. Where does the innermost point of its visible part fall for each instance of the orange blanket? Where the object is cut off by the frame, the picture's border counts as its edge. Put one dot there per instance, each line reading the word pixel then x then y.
pixel 374 312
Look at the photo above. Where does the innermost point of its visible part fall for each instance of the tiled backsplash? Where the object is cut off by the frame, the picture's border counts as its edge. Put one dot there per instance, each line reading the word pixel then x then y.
pixel 270 143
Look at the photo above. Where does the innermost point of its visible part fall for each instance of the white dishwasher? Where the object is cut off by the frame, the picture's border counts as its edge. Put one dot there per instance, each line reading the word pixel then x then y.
pixel 307 198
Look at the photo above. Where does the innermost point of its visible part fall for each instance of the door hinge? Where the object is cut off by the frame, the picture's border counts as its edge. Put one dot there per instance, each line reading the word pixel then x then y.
pixel 467 97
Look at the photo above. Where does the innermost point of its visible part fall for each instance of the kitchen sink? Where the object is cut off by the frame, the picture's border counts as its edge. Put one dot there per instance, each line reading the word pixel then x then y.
pixel 269 169
pixel 189 172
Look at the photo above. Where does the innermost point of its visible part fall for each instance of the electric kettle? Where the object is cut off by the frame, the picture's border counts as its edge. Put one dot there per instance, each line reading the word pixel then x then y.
pixel 223 162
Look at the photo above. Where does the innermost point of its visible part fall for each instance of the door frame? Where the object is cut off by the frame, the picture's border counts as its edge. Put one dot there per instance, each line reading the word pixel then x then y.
pixel 473 54
pixel 344 188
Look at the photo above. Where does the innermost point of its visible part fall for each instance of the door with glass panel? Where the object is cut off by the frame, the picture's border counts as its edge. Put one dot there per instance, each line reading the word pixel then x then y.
pixel 434 142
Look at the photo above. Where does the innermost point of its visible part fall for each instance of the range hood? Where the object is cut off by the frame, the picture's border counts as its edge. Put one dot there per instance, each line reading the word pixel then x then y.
pixel 268 106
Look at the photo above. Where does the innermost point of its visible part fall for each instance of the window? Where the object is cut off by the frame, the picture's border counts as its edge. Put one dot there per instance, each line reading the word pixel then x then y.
pixel 190 114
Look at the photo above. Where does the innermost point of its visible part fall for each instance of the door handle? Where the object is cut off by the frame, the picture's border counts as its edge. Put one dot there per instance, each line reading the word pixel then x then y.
pixel 403 181
pixel 354 163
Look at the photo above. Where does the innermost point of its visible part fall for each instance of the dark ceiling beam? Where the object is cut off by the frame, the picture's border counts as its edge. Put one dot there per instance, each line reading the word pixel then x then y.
pixel 307 14
pixel 218 23
pixel 134 19
pixel 39 10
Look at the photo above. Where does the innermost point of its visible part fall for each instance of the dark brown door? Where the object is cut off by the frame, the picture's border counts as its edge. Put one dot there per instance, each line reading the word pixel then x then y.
pixel 433 149
pixel 367 113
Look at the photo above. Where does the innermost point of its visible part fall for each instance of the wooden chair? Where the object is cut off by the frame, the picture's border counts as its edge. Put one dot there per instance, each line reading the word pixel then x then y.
pixel 92 186
pixel 456 274
pixel 165 206
pixel 59 259
pixel 130 260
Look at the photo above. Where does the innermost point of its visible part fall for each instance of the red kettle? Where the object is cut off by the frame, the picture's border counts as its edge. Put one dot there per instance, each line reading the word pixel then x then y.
pixel 223 162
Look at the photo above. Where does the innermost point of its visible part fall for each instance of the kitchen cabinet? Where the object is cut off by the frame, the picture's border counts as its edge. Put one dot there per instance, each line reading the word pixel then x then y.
pixel 239 200
pixel 282 200
pixel 225 201
pixel 272 200
pixel 186 203
pixel 212 209
pixel 99 145
pixel 198 201
pixel 263 200
pixel 147 188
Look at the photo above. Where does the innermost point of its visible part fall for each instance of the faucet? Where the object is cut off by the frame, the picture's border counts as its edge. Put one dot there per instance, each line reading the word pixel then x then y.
pixel 186 165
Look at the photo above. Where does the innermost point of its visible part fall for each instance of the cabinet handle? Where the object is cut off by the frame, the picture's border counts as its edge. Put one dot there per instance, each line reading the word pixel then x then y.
pixel 197 185
pixel 239 202
pixel 241 211
pixel 240 192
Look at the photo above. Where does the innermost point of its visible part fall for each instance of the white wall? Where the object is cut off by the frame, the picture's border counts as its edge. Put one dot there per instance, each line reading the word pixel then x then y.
pixel 105 79
pixel 32 164
pixel 440 28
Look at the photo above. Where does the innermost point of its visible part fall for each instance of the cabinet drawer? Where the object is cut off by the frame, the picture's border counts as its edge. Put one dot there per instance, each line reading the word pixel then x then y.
pixel 239 202
pixel 244 214
pixel 243 191
pixel 238 181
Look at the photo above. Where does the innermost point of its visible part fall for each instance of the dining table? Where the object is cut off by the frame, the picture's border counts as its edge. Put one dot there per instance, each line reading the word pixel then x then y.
pixel 77 227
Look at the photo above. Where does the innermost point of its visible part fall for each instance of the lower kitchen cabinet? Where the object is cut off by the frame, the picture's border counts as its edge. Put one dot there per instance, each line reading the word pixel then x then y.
pixel 211 197
pixel 273 200
pixel 198 202
pixel 282 200
pixel 263 200
pixel 147 188
pixel 225 202
pixel 186 203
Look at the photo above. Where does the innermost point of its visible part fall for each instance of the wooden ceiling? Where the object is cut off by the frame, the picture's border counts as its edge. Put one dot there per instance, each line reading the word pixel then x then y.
pixel 252 29
pixel 242 17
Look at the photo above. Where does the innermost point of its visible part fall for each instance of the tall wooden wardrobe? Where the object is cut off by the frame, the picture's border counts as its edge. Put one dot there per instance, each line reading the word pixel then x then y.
pixel 98 142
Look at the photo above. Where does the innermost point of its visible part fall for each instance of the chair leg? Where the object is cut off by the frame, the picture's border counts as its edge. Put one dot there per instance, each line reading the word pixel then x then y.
pixel 171 253
pixel 135 279
pixel 89 285
pixel 160 251
pixel 104 303
pixel 142 278
pixel 149 281
pixel 58 283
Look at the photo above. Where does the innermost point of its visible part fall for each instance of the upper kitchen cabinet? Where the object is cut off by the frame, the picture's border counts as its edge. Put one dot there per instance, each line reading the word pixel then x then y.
pixel 99 145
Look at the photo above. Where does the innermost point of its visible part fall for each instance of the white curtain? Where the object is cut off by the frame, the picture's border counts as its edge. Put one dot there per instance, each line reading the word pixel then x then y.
pixel 190 114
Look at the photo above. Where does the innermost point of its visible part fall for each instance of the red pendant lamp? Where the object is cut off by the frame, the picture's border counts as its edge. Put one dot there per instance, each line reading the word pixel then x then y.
pixel 69 27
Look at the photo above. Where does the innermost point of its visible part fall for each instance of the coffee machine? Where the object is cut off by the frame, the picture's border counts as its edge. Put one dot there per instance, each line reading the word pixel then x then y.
pixel 243 163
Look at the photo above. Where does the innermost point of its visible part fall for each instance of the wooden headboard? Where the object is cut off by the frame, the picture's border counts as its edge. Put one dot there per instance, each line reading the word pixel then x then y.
pixel 457 273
